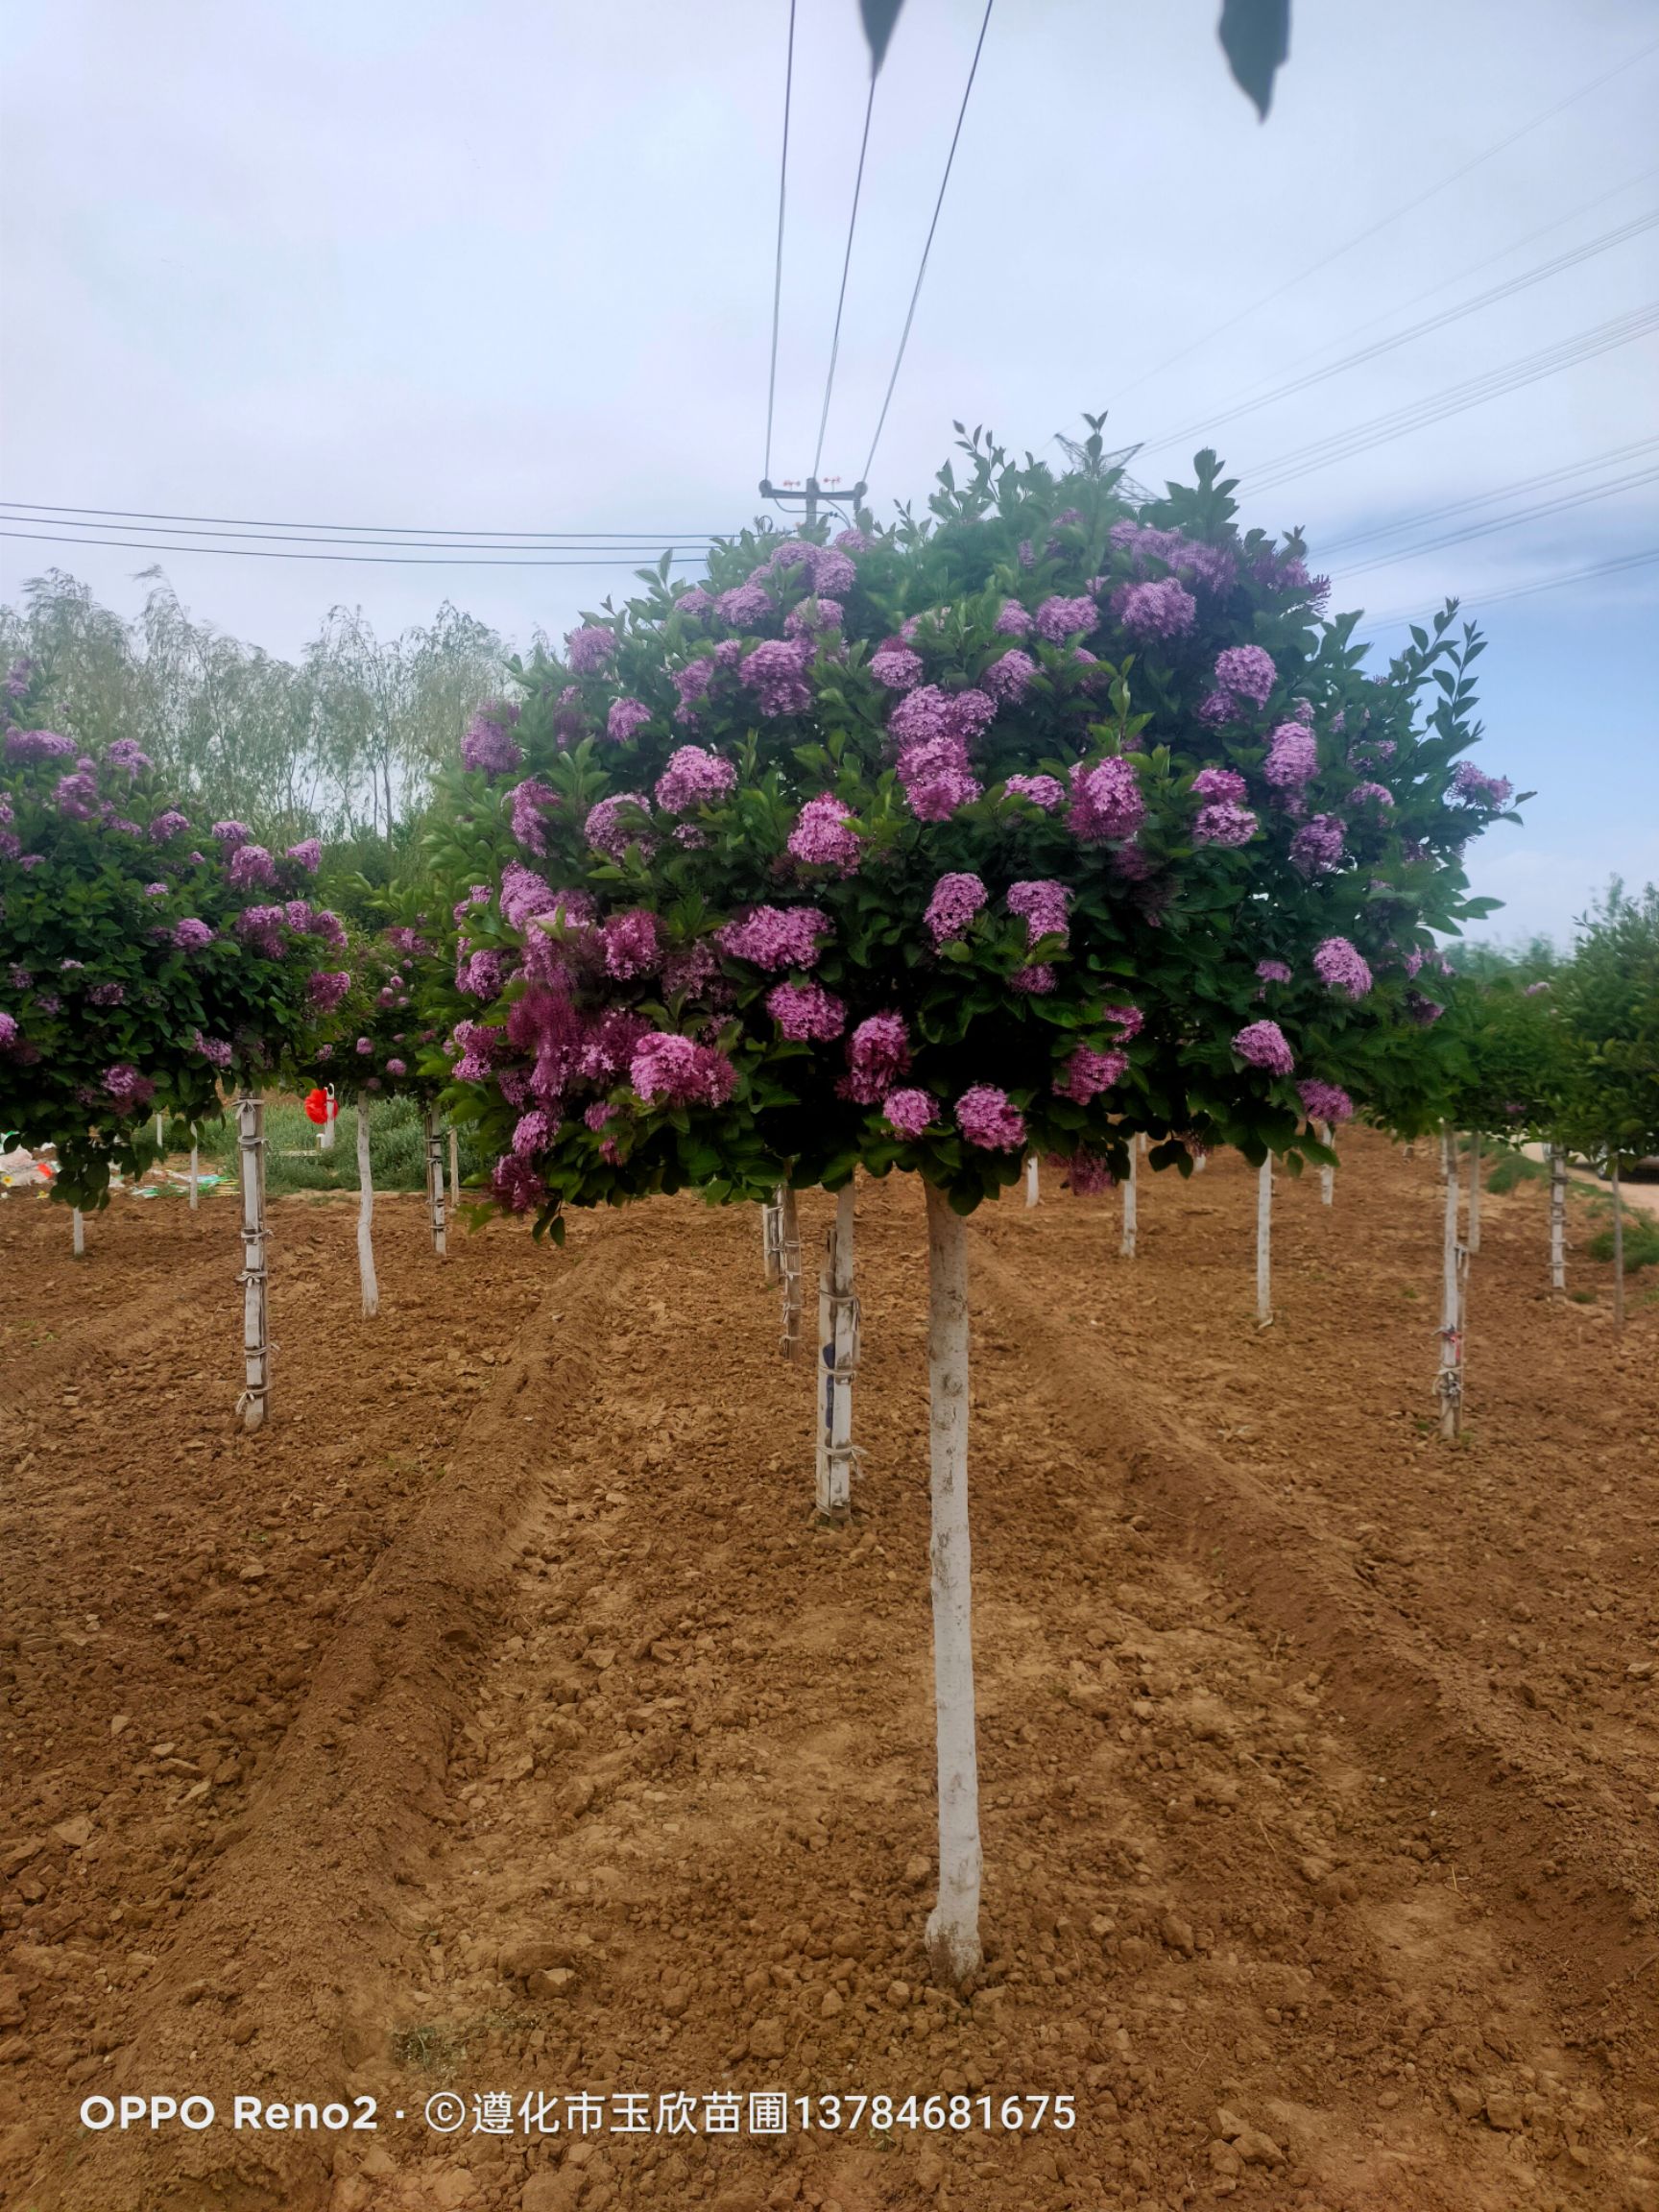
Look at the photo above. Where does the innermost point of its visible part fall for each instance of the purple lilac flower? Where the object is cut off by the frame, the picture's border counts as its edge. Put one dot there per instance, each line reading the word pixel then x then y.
pixel 775 937
pixel 9 1031
pixel 688 972
pixel 910 1112
pixel 728 652
pixel 776 673
pixel 1223 823
pixel 1246 673
pixel 1106 802
pixel 1013 621
pixel 830 571
pixel 1087 1073
pixel 589 649
pixel 877 1054
pixel 1424 1012
pixel 1151 612
pixel 479 1048
pixel 252 869
pixel 484 975
pixel 631 945
pixel 487 742
pixel 625 717
pixel 39 745
pixel 694 778
pixel 669 1070
pixel 364 1046
pixel 156 890
pixel 1042 904
pixel 77 796
pixel 1043 791
pixel 806 1011
pixel 190 935
pixel 1325 1101
pixel 524 895
pixel 930 713
pixel 513 1184
pixel 230 835
pixel 125 752
pixel 854 540
pixel 1212 566
pixel 1007 679
pixel 1342 967
pixel 1036 980
pixel 168 824
pixel 896 667
pixel 812 616
pixel 1292 758
pixel 526 804
pixel 533 1133
pixel 107 995
pixel 696 605
pixel 988 1120
pixel 1477 789
pixel 1127 1021
pixel 1370 795
pixel 1058 619
pixel 1273 971
pixel 1085 1173
pixel 744 606
pixel 1533 989
pixel 131 1091
pixel 691 682
pixel 215 1050
pixel 1263 1044
pixel 956 899
pixel 606 829
pixel 1318 846
pixel 937 779
pixel 823 835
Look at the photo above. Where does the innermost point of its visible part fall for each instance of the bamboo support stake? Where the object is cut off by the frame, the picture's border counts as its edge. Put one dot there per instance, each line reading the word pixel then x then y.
pixel 789 1269
pixel 455 1169
pixel 1031 1192
pixel 838 1363
pixel 78 1234
pixel 254 1278
pixel 1449 1386
pixel 1557 1217
pixel 195 1176
pixel 1328 1175
pixel 1126 1240
pixel 366 1276
pixel 1265 1243
pixel 435 1181
pixel 1471 1234
pixel 331 1112
pixel 772 1237
pixel 954 1925
pixel 1618 1248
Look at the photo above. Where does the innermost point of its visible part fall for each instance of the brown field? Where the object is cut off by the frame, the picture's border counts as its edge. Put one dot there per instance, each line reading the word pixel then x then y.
pixel 497 1721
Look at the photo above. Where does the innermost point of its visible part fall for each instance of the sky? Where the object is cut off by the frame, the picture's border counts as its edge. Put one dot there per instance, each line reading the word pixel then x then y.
pixel 507 265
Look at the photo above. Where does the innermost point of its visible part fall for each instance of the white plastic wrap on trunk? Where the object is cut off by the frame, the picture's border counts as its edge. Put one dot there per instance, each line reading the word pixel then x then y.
pixel 1557 1217
pixel 1618 1249
pixel 435 1181
pixel 254 1278
pixel 1265 1243
pixel 195 1177
pixel 1126 1242
pixel 1200 1161
pixel 1032 1192
pixel 789 1269
pixel 954 1925
pixel 772 1239
pixel 1471 1234
pixel 371 1288
pixel 78 1234
pixel 1328 1175
pixel 1455 1260
pixel 838 1363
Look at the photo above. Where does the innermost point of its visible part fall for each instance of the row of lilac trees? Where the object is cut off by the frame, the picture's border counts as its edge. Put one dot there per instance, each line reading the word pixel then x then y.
pixel 1038 826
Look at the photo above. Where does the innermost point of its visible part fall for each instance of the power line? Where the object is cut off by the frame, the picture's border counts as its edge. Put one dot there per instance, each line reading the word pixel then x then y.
pixel 846 265
pixel 1370 232
pixel 928 245
pixel 369 532
pixel 1432 322
pixel 1583 498
pixel 266 552
pixel 262 534
pixel 778 267
pixel 1491 384
pixel 1331 546
pixel 1555 582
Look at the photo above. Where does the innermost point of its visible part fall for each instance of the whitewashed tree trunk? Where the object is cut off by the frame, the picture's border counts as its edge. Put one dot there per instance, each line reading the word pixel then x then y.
pixel 954 1925
pixel 1126 1242
pixel 195 1177
pixel 435 1181
pixel 789 1269
pixel 1618 1248
pixel 78 1234
pixel 455 1169
pixel 772 1239
pixel 1449 1386
pixel 1471 1234
pixel 1557 1217
pixel 331 1113
pixel 371 1288
pixel 1265 1243
pixel 838 1363
pixel 1448 1154
pixel 256 1279
pixel 1328 1175
pixel 1031 1192
pixel 1200 1161
pixel 161 1129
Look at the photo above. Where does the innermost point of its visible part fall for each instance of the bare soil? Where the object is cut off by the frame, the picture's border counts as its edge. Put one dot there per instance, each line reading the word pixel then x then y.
pixel 498 1721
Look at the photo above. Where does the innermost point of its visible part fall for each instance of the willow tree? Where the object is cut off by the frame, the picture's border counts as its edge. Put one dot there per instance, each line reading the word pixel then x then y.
pixel 926 848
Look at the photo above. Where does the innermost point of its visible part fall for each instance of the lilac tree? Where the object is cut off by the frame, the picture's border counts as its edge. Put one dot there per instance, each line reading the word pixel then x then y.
pixel 1032 827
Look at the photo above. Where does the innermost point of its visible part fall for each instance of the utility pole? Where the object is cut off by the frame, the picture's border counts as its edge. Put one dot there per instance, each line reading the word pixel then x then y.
pixel 808 499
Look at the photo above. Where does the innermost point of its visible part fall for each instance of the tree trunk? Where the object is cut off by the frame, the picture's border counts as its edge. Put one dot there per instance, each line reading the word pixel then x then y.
pixel 435 1181
pixel 1449 1386
pixel 1328 1175
pixel 78 1234
pixel 1618 1248
pixel 455 1171
pixel 326 1135
pixel 1265 1243
pixel 1557 1217
pixel 1126 1242
pixel 789 1269
pixel 255 1278
pixel 1200 1161
pixel 1472 1237
pixel 1447 1154
pixel 366 1217
pixel 195 1177
pixel 837 1362
pixel 772 1239
pixel 954 1925
pixel 1031 1180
